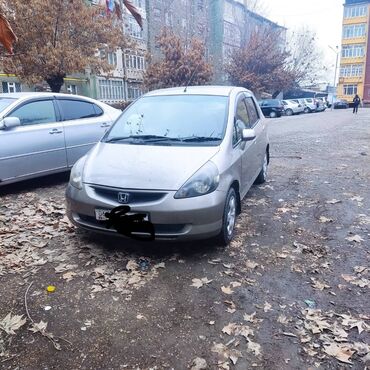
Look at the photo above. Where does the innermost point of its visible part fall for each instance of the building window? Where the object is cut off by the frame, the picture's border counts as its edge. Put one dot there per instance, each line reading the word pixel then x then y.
pixel 111 89
pixel 351 70
pixel 134 29
pixel 349 89
pixel 112 59
pixel 11 87
pixel 354 30
pixel 72 89
pixel 157 13
pixel 353 51
pixel 135 61
pixel 355 11
pixel 133 92
pixel 168 19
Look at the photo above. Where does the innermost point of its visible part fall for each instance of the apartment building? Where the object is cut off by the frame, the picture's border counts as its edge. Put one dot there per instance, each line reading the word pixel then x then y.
pixel 354 73
pixel 124 82
pixel 186 18
pixel 231 24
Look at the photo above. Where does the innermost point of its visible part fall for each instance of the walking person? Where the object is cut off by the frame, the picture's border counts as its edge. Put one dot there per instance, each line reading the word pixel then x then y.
pixel 356 103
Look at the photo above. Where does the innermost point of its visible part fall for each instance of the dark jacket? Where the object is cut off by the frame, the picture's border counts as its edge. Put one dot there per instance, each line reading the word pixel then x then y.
pixel 356 101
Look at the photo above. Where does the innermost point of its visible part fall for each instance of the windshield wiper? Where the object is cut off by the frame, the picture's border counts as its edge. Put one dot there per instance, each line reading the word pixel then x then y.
pixel 200 139
pixel 147 138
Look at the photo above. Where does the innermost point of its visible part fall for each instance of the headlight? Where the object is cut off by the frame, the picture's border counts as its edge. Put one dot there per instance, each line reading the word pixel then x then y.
pixel 204 181
pixel 76 173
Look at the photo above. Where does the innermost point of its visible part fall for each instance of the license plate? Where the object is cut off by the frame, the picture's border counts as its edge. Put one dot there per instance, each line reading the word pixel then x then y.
pixel 100 214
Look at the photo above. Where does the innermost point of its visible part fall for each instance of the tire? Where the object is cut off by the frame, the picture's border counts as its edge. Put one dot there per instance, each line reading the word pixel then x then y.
pixel 272 114
pixel 307 110
pixel 289 112
pixel 262 176
pixel 228 218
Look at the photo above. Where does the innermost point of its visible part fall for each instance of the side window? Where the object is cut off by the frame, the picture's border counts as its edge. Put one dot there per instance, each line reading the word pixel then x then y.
pixel 252 111
pixel 241 120
pixel 98 110
pixel 241 112
pixel 76 109
pixel 35 112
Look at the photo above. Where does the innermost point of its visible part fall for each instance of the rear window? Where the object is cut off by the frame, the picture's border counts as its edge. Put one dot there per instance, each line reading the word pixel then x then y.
pixel 78 109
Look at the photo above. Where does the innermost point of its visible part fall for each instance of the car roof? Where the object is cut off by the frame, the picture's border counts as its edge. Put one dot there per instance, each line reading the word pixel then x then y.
pixel 198 90
pixel 25 95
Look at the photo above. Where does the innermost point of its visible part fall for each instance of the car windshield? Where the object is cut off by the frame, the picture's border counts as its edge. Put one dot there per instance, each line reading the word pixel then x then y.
pixel 5 102
pixel 172 120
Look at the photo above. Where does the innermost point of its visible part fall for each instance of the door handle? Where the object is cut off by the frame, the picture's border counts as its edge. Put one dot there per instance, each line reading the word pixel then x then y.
pixel 105 124
pixel 55 131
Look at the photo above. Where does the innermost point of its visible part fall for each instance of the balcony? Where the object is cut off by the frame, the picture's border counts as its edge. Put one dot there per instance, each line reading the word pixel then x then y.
pixel 355 20
pixel 134 74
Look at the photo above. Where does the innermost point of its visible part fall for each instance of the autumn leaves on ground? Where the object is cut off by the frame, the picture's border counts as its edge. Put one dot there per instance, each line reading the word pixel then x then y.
pixel 290 292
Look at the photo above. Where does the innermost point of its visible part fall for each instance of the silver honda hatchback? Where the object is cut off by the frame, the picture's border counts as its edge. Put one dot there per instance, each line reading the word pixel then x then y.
pixel 175 165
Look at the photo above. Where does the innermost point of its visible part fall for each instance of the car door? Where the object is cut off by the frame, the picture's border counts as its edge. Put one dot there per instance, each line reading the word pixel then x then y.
pixel 244 148
pixel 37 146
pixel 84 124
pixel 260 143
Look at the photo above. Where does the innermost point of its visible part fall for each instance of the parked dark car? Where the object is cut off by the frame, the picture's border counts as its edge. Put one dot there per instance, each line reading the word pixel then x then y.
pixel 341 104
pixel 271 107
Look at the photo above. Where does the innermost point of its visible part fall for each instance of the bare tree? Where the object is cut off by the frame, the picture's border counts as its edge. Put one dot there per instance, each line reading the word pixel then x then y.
pixel 179 64
pixel 305 60
pixel 256 6
pixel 261 64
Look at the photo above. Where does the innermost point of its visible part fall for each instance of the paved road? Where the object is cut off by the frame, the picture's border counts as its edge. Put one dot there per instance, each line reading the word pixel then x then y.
pixel 291 291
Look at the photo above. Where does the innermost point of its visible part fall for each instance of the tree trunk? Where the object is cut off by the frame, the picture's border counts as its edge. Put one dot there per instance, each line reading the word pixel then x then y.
pixel 55 82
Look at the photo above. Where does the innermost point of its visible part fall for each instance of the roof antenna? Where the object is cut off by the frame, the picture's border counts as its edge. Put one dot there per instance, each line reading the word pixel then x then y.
pixel 191 77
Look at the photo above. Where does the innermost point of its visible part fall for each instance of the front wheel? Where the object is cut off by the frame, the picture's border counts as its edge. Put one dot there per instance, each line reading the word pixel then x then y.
pixel 262 176
pixel 307 110
pixel 229 218
pixel 272 114
pixel 289 112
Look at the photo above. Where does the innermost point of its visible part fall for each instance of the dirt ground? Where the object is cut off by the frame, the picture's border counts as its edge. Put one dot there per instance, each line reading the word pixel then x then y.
pixel 290 292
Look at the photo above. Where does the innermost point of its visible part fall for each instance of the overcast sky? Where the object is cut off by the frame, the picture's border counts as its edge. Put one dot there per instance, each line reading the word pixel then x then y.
pixel 324 17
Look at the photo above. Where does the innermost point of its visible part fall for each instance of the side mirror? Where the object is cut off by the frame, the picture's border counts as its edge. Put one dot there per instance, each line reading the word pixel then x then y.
pixel 248 134
pixel 9 122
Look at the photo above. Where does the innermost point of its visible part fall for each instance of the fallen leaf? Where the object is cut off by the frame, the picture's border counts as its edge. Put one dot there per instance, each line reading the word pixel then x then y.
pixel 199 364
pixel 341 352
pixel 359 269
pixel 319 285
pixel 250 318
pixel 289 334
pixel 251 264
pixel 68 276
pixel 356 238
pixel 267 307
pixel 10 323
pixel 324 219
pixel 333 201
pixel 198 283
pixel 283 319
pixel 254 347
pixel 227 290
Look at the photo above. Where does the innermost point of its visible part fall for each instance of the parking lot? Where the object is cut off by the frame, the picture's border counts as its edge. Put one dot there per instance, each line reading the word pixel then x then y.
pixel 290 292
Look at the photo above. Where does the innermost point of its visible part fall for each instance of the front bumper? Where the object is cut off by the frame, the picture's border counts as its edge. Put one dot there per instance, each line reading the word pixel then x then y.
pixel 180 219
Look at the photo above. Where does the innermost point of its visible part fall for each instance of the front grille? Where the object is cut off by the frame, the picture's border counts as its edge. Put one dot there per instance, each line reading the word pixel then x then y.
pixel 133 196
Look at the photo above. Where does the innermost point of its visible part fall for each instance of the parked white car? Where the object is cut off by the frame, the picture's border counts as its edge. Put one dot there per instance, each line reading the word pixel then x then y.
pixel 291 107
pixel 45 133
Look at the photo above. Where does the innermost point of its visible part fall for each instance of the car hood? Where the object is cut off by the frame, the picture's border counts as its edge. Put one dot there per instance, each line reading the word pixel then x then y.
pixel 144 166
